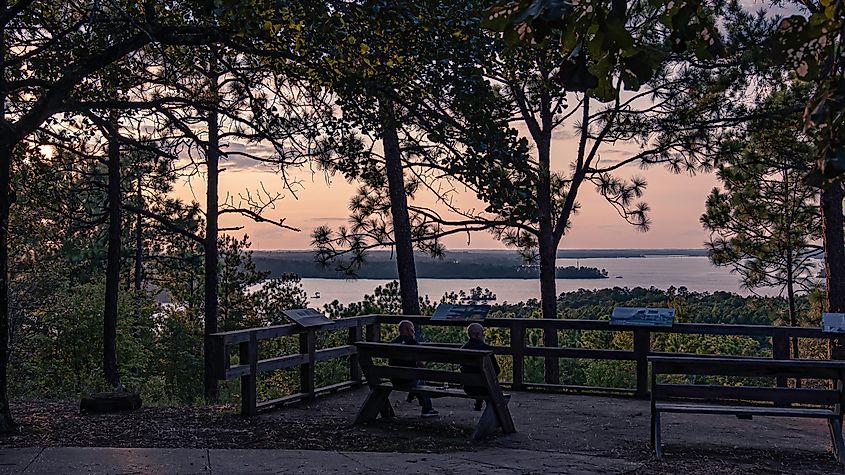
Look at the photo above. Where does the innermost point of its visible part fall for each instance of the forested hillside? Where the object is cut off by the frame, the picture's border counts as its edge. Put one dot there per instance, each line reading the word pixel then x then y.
pixel 452 265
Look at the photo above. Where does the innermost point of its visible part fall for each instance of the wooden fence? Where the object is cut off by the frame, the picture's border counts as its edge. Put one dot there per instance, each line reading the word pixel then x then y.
pixel 368 328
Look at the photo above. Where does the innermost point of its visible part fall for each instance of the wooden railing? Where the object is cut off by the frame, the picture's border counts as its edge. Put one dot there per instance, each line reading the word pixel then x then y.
pixel 368 328
pixel 249 365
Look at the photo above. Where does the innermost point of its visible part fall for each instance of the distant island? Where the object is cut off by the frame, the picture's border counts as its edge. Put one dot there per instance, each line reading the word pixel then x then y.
pixel 480 264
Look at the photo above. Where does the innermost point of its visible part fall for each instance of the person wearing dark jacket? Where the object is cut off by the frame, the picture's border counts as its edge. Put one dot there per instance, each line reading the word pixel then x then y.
pixel 406 337
pixel 475 333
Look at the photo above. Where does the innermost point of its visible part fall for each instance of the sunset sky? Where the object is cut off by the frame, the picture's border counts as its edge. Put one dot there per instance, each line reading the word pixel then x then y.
pixel 677 202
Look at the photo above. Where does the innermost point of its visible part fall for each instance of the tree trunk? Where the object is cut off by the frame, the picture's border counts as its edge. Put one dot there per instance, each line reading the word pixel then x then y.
pixel 399 211
pixel 548 255
pixel 834 257
pixel 793 311
pixel 139 254
pixel 110 370
pixel 7 424
pixel 211 254
pixel 139 267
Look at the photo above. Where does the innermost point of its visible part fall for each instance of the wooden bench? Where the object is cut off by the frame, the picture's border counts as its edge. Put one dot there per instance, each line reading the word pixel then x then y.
pixel 745 402
pixel 496 413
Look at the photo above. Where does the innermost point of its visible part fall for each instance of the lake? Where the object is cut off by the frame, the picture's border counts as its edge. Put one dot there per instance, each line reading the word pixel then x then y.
pixel 694 273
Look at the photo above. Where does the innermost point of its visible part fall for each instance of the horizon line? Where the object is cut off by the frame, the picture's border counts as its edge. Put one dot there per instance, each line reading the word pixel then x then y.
pixel 514 250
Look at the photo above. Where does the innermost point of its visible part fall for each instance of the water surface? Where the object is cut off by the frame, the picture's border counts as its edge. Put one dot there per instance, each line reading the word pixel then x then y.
pixel 662 272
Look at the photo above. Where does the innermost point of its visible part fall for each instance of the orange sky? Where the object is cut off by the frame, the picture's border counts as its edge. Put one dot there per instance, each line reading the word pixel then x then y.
pixel 676 201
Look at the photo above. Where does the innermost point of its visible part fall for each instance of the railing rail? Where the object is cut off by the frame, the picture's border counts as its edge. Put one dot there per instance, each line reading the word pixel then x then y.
pixel 368 328
pixel 249 365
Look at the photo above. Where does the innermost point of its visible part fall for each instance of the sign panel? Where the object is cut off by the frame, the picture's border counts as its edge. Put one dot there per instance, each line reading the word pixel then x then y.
pixel 833 322
pixel 643 317
pixel 307 317
pixel 466 313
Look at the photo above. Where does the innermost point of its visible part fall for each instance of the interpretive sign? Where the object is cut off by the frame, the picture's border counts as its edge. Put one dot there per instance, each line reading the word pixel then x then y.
pixel 643 317
pixel 833 322
pixel 465 313
pixel 307 317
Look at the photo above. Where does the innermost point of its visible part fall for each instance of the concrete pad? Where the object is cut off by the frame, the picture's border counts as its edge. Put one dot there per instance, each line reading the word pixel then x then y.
pixel 16 460
pixel 763 433
pixel 504 461
pixel 381 462
pixel 530 461
pixel 267 461
pixel 101 460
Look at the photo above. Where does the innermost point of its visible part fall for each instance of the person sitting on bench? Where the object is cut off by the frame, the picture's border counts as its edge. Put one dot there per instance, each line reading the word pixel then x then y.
pixel 475 332
pixel 406 337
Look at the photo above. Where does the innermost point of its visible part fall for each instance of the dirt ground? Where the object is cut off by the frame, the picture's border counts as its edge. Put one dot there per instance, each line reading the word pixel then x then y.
pixel 580 425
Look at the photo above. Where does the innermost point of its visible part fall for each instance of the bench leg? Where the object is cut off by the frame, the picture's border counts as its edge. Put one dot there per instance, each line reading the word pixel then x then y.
pixel 835 426
pixel 487 424
pixel 499 405
pixel 489 421
pixel 656 443
pixel 377 402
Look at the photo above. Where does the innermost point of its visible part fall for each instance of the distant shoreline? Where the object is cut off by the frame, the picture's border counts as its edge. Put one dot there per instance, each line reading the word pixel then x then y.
pixel 561 254
pixel 469 264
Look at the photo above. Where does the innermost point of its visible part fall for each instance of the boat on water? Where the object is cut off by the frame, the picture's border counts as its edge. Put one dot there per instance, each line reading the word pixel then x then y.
pixel 316 295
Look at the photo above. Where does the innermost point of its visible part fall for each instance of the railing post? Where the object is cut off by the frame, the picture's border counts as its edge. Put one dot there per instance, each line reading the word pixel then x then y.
pixel 307 346
pixel 780 351
pixel 355 335
pixel 219 354
pixel 642 347
pixel 518 354
pixel 374 332
pixel 249 355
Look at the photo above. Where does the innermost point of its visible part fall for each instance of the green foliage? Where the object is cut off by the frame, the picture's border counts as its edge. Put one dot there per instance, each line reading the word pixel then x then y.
pixel 384 300
pixel 813 46
pixel 765 222
pixel 177 364
pixel 602 41
pixel 236 275
pixel 276 295
pixel 60 343
pixel 58 324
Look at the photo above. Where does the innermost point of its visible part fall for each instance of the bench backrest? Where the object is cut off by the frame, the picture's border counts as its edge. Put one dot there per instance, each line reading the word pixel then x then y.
pixel 375 373
pixel 750 367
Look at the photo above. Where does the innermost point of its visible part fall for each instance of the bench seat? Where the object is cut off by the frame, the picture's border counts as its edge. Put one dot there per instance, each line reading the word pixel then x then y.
pixel 434 391
pixel 746 410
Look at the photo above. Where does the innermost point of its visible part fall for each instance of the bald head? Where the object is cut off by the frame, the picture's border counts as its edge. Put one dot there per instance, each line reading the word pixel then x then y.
pixel 475 330
pixel 406 328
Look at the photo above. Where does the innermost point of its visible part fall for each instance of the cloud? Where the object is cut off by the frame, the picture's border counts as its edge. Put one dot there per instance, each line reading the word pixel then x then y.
pixel 234 160
pixel 322 219
pixel 563 133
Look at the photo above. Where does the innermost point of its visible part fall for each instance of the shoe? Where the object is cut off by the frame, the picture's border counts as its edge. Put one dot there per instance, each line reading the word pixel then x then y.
pixel 410 397
pixel 430 413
